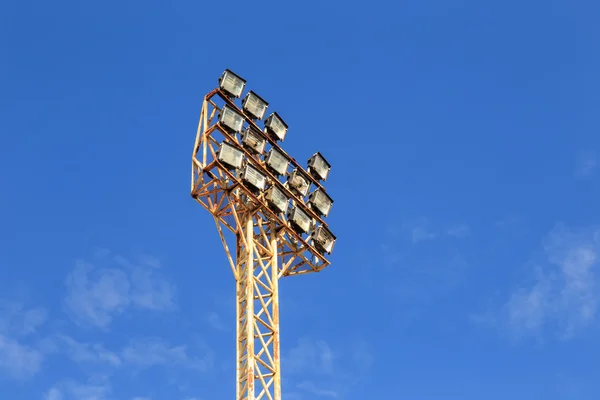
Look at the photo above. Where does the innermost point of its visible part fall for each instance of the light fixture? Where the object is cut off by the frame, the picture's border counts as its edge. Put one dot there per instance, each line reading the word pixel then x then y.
pixel 254 105
pixel 277 199
pixel 277 162
pixel 253 140
pixel 323 239
pixel 320 202
pixel 299 183
pixel 299 220
pixel 318 166
pixel 230 156
pixel 254 177
pixel 232 84
pixel 231 119
pixel 276 127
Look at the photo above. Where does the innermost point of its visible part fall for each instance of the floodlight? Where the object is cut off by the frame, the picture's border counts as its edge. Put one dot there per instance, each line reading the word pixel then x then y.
pixel 230 156
pixel 232 84
pixel 323 239
pixel 276 127
pixel 277 162
pixel 320 202
pixel 254 177
pixel 300 220
pixel 318 166
pixel 254 105
pixel 277 199
pixel 298 182
pixel 253 140
pixel 231 119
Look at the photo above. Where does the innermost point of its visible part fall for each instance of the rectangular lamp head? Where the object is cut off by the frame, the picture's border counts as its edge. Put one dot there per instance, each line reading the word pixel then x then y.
pixel 232 84
pixel 276 127
pixel 300 220
pixel 277 199
pixel 231 120
pixel 230 156
pixel 254 141
pixel 299 183
pixel 254 177
pixel 323 239
pixel 254 105
pixel 318 166
pixel 320 202
pixel 277 162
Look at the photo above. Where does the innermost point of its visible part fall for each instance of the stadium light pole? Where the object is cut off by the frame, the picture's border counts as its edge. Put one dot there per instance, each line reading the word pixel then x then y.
pixel 242 176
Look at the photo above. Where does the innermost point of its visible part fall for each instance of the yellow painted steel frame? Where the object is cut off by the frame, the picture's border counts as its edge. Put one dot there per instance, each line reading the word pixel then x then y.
pixel 267 248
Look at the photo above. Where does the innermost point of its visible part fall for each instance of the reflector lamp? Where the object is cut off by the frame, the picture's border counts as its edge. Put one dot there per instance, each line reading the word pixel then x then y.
pixel 277 199
pixel 232 84
pixel 231 119
pixel 277 162
pixel 253 177
pixel 253 140
pixel 320 202
pixel 323 239
pixel 254 105
pixel 300 220
pixel 276 127
pixel 230 156
pixel 299 183
pixel 318 166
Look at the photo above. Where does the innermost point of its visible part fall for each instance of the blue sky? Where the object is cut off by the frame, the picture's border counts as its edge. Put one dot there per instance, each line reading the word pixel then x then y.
pixel 464 141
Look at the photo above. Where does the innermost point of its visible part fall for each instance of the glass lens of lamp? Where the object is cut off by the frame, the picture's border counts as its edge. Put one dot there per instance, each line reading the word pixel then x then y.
pixel 254 140
pixel 321 168
pixel 276 125
pixel 301 219
pixel 321 202
pixel 299 183
pixel 232 84
pixel 230 156
pixel 253 177
pixel 278 162
pixel 231 119
pixel 255 106
pixel 279 200
pixel 323 239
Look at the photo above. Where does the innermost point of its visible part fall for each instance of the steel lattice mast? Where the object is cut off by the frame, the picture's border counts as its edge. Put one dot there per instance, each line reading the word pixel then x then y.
pixel 250 214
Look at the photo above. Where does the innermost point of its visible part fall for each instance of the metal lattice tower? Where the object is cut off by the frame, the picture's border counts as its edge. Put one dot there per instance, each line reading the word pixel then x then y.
pixel 268 242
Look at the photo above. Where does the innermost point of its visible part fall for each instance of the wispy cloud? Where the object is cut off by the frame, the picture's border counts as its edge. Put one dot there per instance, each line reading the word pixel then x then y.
pixel 96 295
pixel 310 387
pixel 140 353
pixel 562 296
pixel 95 389
pixel 17 360
pixel 216 322
pixel 586 164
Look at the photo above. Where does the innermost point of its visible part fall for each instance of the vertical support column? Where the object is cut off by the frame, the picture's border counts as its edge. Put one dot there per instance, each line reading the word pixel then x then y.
pixel 275 315
pixel 249 277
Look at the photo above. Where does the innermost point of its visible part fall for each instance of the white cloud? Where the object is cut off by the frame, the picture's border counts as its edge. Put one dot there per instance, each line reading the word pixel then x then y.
pixel 96 295
pixel 17 320
pixel 563 294
pixel 53 394
pixel 215 321
pixel 310 387
pixel 308 354
pixel 94 353
pixel 17 360
pixel 98 389
pixel 586 164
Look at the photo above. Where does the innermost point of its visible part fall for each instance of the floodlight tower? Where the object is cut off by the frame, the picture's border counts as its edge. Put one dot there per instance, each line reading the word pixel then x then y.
pixel 240 174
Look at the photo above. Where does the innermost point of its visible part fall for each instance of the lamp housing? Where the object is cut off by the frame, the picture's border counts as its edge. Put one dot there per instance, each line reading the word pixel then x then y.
pixel 277 162
pixel 299 220
pixel 230 156
pixel 253 177
pixel 276 127
pixel 320 202
pixel 254 140
pixel 277 199
pixel 318 166
pixel 323 239
pixel 231 120
pixel 254 105
pixel 232 84
pixel 298 182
